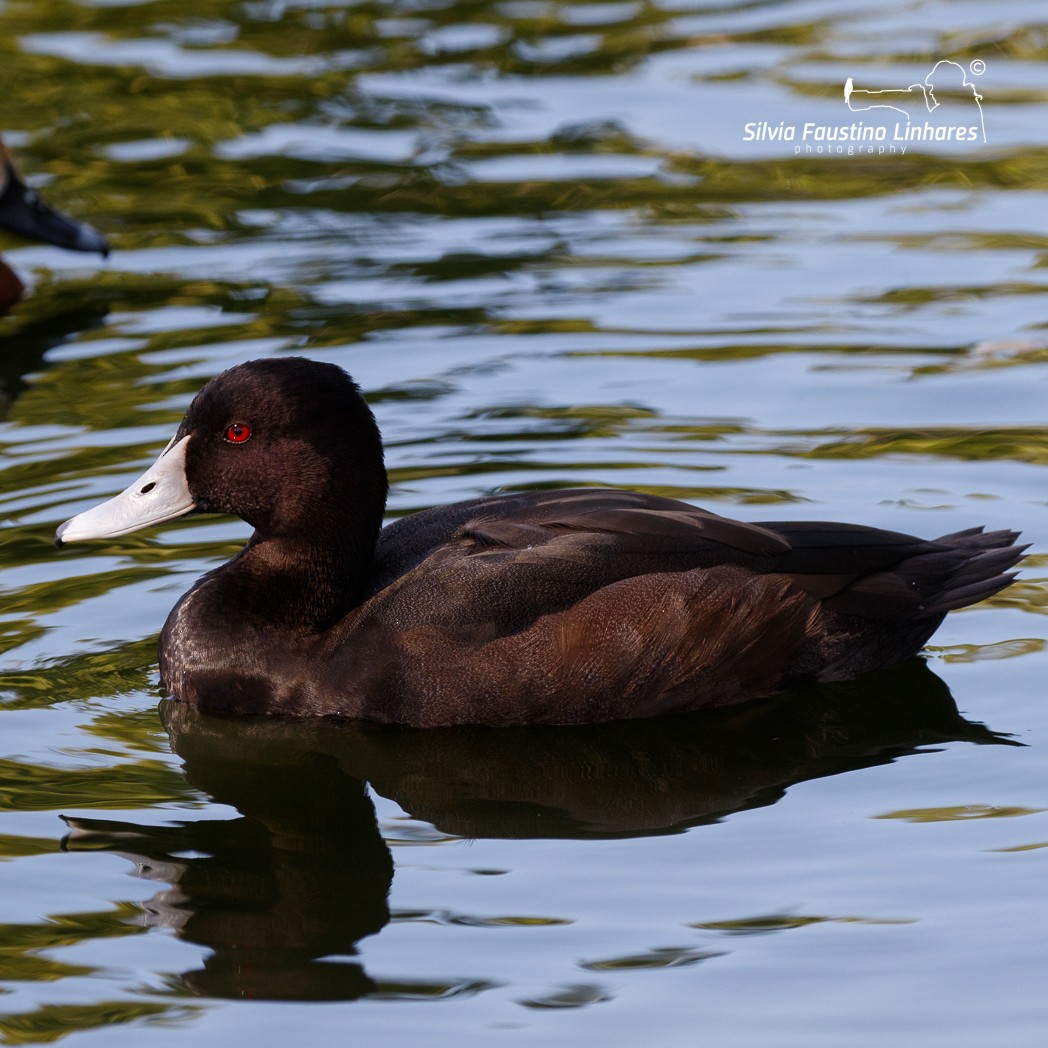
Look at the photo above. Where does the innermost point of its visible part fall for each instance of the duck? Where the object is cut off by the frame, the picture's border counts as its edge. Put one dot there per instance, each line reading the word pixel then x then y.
pixel 25 212
pixel 561 606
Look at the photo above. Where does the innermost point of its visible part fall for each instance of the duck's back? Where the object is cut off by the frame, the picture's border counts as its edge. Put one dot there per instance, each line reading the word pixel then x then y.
pixel 499 563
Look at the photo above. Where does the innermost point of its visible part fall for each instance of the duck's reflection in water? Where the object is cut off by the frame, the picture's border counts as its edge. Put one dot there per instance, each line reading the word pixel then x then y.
pixel 302 874
pixel 282 894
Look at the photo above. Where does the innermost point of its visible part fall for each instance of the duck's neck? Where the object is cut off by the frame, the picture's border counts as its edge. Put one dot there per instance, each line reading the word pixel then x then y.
pixel 308 581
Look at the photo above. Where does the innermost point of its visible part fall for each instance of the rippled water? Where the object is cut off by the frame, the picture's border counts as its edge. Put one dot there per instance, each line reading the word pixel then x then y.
pixel 537 234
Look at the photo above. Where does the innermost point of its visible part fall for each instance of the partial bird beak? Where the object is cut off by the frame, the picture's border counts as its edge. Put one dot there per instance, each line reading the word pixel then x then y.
pixel 161 493
pixel 23 211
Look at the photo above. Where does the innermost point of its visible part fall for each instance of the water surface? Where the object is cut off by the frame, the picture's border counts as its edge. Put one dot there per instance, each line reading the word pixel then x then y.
pixel 537 235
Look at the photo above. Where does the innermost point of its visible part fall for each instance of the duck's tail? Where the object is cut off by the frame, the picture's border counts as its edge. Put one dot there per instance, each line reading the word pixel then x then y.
pixel 888 616
pixel 974 567
pixel 938 576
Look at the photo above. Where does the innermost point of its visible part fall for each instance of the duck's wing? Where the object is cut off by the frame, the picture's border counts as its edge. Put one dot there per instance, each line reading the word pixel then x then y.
pixel 524 521
pixel 496 565
pixel 634 522
pixel 609 534
pixel 589 537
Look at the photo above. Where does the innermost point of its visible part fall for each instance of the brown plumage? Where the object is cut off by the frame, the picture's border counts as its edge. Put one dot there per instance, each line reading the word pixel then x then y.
pixel 539 607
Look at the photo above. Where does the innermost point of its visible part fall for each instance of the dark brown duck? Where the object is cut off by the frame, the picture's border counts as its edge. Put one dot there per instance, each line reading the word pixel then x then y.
pixel 540 607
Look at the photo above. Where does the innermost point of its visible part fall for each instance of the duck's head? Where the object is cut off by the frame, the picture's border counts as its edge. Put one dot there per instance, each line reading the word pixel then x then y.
pixel 23 211
pixel 287 444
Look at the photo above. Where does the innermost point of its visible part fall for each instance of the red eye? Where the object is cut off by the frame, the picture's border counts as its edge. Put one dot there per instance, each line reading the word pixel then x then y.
pixel 237 433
